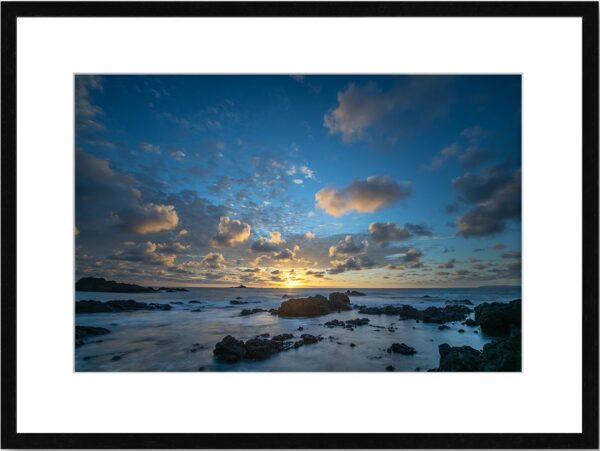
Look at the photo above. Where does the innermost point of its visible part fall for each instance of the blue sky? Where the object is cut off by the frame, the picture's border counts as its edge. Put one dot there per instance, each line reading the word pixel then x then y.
pixel 391 181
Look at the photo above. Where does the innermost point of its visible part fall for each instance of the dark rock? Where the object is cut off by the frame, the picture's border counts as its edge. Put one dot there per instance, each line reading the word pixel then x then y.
pixel 497 319
pixel 300 328
pixel 172 289
pixel 461 331
pixel 311 306
pixel 195 302
pixel 196 310
pixel 176 303
pixel 339 297
pixel 475 332
pixel 240 286
pixel 83 332
pixel 238 297
pixel 429 315
pixel 352 345
pixel 357 322
pixel 389 368
pixel 503 354
pixel 102 285
pixel 283 337
pixel 309 339
pixel 401 348
pixel 247 312
pixel 335 323
pixel 236 302
pixel 230 350
pixel 463 358
pixel 117 306
pixel 354 293
pixel 426 296
pixel 470 322
pixel 265 335
pixel 260 349
pixel 286 296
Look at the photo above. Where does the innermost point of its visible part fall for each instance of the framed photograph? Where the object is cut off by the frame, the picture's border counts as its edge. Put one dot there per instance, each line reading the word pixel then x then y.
pixel 300 225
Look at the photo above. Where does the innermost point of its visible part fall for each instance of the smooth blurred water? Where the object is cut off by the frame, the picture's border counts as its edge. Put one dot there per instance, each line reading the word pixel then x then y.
pixel 182 340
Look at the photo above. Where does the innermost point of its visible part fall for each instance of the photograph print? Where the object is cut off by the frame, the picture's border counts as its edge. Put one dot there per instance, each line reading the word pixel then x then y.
pixel 286 223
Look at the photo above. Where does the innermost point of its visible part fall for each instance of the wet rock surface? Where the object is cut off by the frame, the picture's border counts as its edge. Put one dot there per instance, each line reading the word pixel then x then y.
pixel 401 348
pixel 100 284
pixel 312 306
pixel 233 350
pixel 497 319
pixel 354 293
pixel 117 306
pixel 437 315
pixel 253 311
pixel 83 332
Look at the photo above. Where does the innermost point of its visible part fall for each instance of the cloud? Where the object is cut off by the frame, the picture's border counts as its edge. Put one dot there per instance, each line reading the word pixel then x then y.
pixel 213 260
pixel 271 244
pixel 348 247
pixel 86 112
pixel 474 133
pixel 386 232
pixel 177 154
pixel 395 112
pixel 439 159
pixel 473 157
pixel 448 265
pixel 148 147
pixel 298 181
pixel 146 253
pixel 230 232
pixel 496 195
pixel 309 235
pixel 351 264
pixel 511 254
pixel 148 218
pixel 364 196
pixel 286 254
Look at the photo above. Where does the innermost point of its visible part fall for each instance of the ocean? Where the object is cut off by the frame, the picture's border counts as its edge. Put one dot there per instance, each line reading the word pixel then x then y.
pixel 183 340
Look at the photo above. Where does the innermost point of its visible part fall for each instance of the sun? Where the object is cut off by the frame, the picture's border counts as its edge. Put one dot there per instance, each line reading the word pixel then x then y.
pixel 291 283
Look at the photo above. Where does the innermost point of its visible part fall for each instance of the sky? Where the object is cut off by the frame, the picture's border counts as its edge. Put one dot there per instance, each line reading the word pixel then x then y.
pixel 299 180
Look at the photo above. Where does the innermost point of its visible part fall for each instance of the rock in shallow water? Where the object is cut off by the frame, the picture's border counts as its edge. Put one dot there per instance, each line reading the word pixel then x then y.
pixel 499 318
pixel 82 332
pixel 233 350
pixel 117 306
pixel 312 306
pixel 401 348
pixel 429 315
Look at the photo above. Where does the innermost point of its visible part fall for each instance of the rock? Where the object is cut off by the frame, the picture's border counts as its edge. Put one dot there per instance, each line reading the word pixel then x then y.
pixel 286 296
pixel 401 348
pixel 247 312
pixel 238 297
pixel 117 306
pixel 311 306
pixel 236 302
pixel 389 368
pixel 426 296
pixel 300 328
pixel 309 339
pixel 354 293
pixel 195 302
pixel 265 335
pixel 429 315
pixel 357 322
pixel 230 350
pixel 463 358
pixel 171 289
pixel 461 331
pixel 497 319
pixel 260 349
pixel 352 345
pixel 176 303
pixel 339 297
pixel 102 285
pixel 196 310
pixel 335 323
pixel 503 354
pixel 470 322
pixel 283 337
pixel 240 286
pixel 83 332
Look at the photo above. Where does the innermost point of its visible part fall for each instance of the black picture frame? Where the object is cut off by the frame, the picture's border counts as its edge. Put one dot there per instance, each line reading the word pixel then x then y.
pixel 588 11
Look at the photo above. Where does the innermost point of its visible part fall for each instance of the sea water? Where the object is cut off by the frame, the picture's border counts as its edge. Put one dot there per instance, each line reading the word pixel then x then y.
pixel 183 340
